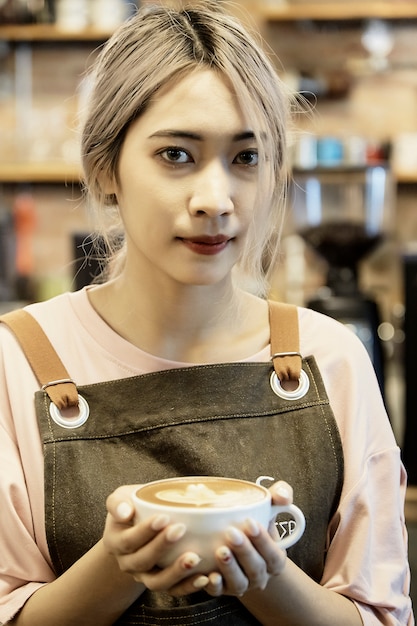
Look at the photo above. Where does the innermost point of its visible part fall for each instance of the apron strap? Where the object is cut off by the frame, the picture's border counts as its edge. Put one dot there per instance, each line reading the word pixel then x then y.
pixel 45 363
pixel 285 340
pixel 61 389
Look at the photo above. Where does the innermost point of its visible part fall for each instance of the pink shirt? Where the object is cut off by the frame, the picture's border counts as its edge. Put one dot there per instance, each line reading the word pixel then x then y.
pixel 367 551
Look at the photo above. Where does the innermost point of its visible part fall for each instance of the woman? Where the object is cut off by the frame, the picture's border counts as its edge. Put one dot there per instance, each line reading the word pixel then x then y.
pixel 184 151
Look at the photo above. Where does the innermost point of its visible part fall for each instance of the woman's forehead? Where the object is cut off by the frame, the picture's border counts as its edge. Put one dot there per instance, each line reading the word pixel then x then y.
pixel 203 98
pixel 200 99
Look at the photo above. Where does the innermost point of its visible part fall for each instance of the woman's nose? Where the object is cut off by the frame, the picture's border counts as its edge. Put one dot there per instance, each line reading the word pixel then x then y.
pixel 212 194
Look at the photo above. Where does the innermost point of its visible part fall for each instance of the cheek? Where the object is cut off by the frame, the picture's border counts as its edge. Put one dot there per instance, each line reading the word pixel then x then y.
pixel 147 212
pixel 246 192
pixel 247 207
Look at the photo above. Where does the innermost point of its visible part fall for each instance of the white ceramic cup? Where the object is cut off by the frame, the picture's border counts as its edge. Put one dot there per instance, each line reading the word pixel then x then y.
pixel 207 505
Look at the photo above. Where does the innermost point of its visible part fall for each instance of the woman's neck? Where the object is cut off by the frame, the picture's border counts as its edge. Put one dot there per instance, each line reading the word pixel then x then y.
pixel 192 324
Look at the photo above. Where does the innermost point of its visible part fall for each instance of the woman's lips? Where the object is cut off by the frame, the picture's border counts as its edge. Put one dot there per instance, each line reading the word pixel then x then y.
pixel 206 245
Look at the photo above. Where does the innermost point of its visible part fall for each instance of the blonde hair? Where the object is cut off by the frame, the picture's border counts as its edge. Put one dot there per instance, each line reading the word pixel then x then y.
pixel 152 48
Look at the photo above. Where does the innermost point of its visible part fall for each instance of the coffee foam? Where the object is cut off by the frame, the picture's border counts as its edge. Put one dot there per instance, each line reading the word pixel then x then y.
pixel 210 493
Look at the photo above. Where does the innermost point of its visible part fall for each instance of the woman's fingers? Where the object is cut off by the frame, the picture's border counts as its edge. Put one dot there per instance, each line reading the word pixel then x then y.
pixel 266 546
pixel 235 579
pixel 215 585
pixel 247 560
pixel 119 503
pixel 281 492
pixel 141 548
pixel 179 578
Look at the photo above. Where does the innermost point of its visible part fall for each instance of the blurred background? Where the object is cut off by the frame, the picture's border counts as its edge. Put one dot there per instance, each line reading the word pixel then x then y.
pixel 350 237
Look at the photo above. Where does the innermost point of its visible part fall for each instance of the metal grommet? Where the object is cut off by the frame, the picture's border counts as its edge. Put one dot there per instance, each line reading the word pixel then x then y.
pixel 296 394
pixel 68 421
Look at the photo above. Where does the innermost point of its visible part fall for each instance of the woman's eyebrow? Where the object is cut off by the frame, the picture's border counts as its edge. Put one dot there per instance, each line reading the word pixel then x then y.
pixel 185 134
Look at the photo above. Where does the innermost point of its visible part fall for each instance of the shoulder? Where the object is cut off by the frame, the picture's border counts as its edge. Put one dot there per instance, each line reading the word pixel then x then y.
pixel 56 311
pixel 342 358
pixel 60 319
pixel 53 312
pixel 350 381
pixel 327 338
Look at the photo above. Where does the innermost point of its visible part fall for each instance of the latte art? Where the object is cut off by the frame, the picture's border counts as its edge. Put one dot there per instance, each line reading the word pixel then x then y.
pixel 201 492
pixel 201 495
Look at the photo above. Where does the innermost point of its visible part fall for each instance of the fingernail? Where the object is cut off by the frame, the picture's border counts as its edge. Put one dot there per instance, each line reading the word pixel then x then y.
pixel 224 554
pixel 190 560
pixel 175 532
pixel 252 527
pixel 160 521
pixel 235 536
pixel 283 492
pixel 216 579
pixel 124 510
pixel 200 582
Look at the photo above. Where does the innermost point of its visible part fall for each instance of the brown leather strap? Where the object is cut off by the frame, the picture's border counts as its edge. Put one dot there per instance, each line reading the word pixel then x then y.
pixel 55 380
pixel 285 340
pixel 46 364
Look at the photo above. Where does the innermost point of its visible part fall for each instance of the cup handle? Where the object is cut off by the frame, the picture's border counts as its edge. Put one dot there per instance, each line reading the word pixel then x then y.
pixel 300 523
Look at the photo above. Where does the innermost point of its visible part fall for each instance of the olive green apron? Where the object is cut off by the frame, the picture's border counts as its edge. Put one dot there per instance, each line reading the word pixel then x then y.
pixel 228 419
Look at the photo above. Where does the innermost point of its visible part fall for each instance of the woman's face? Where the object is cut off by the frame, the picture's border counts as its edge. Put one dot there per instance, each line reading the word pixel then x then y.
pixel 187 182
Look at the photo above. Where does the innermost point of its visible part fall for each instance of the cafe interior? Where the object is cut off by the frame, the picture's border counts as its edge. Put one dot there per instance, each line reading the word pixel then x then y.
pixel 349 246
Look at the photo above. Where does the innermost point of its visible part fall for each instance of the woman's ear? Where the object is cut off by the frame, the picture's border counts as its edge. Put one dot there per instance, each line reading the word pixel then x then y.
pixel 109 189
pixel 108 185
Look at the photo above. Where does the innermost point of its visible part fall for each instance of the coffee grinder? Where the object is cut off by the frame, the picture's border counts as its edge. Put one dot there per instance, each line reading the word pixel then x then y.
pixel 344 214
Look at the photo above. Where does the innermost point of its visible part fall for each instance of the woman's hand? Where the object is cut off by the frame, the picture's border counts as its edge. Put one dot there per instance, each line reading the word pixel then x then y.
pixel 248 559
pixel 138 547
pixel 250 555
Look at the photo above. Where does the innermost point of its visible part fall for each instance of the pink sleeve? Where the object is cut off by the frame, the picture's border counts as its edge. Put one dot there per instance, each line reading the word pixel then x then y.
pixel 24 564
pixel 367 539
pixel 368 553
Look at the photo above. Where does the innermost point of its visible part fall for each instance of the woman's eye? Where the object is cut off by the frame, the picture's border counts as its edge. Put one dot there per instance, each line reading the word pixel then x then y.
pixel 247 157
pixel 176 155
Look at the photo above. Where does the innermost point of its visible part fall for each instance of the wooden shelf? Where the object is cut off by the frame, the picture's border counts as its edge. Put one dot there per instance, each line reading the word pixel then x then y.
pixel 405 177
pixel 399 176
pixel 338 11
pixel 50 32
pixel 39 173
pixel 70 172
